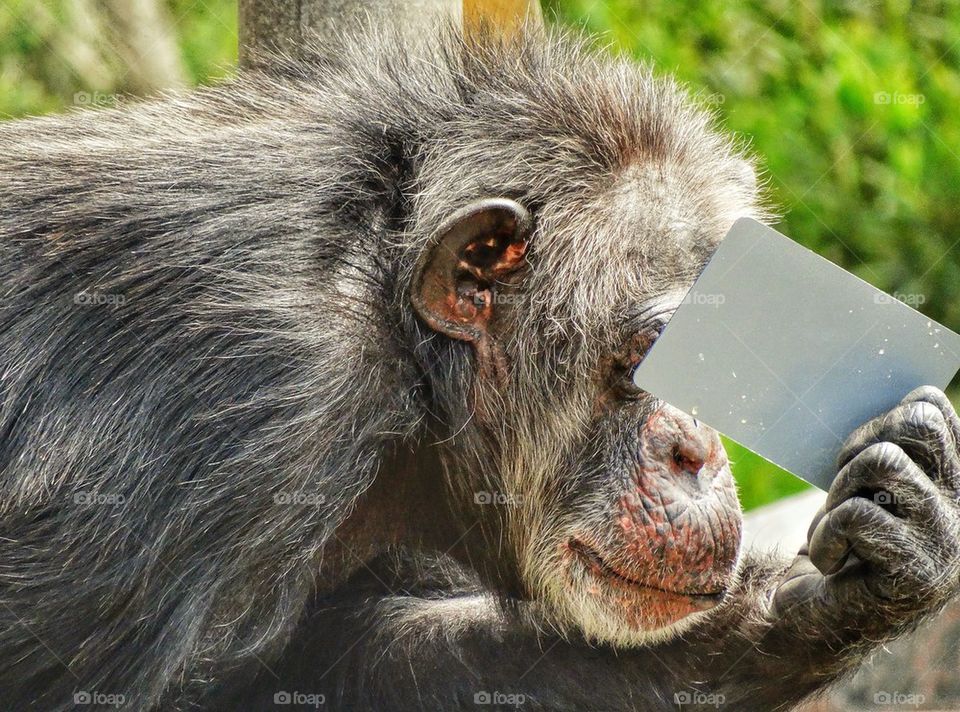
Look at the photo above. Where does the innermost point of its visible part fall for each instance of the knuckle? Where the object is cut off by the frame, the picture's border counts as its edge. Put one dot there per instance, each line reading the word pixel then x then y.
pixel 925 393
pixel 836 522
pixel 925 417
pixel 832 524
pixel 883 458
pixel 854 508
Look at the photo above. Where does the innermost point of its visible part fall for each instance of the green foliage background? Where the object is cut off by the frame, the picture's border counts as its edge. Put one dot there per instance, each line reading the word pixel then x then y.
pixel 852 105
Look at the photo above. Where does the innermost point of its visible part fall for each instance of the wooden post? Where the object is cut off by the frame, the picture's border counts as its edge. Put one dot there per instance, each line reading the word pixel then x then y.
pixel 286 24
pixel 506 14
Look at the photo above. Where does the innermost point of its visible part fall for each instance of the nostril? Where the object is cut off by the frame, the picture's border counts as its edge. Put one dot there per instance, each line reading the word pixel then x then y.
pixel 687 461
pixel 680 445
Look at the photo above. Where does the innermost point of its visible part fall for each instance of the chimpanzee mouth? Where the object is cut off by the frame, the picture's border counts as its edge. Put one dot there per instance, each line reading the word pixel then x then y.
pixel 600 568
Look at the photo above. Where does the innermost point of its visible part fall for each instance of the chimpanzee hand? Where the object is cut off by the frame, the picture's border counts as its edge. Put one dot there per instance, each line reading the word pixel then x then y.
pixel 885 548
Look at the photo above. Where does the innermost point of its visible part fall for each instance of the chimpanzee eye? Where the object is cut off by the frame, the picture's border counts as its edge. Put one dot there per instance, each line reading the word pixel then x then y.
pixel 632 356
pixel 625 373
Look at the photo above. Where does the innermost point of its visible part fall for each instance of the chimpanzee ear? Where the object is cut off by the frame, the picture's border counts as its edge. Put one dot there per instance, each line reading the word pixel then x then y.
pixel 455 280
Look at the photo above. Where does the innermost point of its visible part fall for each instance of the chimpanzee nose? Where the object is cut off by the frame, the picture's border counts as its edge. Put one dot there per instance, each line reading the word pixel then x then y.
pixel 690 456
pixel 677 440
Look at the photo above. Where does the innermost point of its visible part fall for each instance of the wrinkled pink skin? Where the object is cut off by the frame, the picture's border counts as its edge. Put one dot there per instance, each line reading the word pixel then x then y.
pixel 673 546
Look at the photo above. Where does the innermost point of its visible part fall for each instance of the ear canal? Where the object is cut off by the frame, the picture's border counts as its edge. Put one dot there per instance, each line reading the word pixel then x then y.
pixel 453 284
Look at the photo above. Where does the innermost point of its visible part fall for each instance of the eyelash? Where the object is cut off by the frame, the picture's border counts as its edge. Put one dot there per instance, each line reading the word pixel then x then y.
pixel 629 387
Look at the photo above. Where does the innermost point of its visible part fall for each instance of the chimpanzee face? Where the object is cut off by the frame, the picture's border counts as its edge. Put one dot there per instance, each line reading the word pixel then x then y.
pixel 620 510
pixel 650 528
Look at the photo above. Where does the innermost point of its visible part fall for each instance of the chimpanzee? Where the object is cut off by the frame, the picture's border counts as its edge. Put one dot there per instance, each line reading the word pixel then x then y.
pixel 316 391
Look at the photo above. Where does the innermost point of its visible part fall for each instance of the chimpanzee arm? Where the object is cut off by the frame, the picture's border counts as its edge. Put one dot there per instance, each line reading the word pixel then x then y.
pixel 464 651
pixel 421 652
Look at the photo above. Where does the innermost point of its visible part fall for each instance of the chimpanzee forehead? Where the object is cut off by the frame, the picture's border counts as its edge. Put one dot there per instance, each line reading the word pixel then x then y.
pixel 671 206
pixel 657 219
pixel 627 248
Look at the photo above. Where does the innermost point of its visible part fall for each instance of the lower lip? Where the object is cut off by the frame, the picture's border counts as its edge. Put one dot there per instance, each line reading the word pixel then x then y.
pixel 600 569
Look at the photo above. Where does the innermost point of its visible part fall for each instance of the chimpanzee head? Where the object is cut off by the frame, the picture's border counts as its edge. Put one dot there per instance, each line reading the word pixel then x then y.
pixel 567 216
